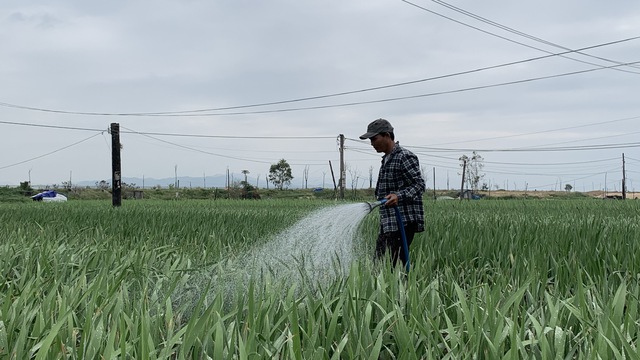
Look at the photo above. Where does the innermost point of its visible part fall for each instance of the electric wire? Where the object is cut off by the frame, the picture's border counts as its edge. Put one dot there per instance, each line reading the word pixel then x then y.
pixel 410 97
pixel 49 126
pixel 517 42
pixel 193 149
pixel 565 148
pixel 542 131
pixel 297 137
pixel 199 150
pixel 51 152
pixel 206 112
pixel 517 32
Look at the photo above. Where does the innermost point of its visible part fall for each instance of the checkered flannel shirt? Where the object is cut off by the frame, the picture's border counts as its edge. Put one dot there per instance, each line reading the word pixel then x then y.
pixel 400 174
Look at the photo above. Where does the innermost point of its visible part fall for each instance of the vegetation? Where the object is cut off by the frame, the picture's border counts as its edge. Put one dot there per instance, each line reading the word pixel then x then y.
pixel 280 174
pixel 489 280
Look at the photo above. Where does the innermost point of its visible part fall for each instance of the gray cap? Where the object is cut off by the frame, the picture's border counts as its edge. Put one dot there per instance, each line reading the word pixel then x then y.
pixel 377 127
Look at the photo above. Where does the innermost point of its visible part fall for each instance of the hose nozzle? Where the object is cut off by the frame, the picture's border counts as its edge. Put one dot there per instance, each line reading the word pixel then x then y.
pixel 375 204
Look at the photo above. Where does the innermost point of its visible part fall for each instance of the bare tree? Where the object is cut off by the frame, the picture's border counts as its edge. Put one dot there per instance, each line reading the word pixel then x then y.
pixel 305 175
pixel 473 172
pixel 353 173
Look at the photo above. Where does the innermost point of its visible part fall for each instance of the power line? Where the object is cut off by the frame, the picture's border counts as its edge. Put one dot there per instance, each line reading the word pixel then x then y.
pixel 511 40
pixel 51 152
pixel 543 131
pixel 172 134
pixel 194 149
pixel 379 101
pixel 49 126
pixel 231 136
pixel 206 112
pixel 588 139
pixel 517 32
pixel 199 150
pixel 566 148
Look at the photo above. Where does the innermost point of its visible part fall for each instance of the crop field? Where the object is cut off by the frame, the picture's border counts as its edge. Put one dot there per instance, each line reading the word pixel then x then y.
pixel 503 279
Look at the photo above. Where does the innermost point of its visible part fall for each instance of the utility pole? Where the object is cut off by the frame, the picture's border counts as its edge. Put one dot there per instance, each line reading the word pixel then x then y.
pixel 175 184
pixel 464 168
pixel 434 183
pixel 116 179
pixel 335 188
pixel 343 175
pixel 624 180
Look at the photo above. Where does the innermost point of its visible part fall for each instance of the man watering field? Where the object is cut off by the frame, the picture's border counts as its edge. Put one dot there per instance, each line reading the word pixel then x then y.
pixel 401 184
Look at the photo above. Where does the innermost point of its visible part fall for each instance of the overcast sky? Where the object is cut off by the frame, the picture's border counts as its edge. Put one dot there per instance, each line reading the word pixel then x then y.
pixel 490 76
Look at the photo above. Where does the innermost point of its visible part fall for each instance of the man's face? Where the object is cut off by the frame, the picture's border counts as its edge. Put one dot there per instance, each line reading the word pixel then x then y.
pixel 377 142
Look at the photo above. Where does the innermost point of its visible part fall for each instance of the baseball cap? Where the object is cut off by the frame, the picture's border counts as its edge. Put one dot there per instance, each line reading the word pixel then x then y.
pixel 376 127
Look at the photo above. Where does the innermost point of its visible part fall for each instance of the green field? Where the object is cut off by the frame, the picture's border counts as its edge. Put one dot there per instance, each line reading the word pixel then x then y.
pixel 514 279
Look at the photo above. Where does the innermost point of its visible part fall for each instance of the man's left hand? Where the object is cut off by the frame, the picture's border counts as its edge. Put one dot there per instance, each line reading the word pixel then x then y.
pixel 392 200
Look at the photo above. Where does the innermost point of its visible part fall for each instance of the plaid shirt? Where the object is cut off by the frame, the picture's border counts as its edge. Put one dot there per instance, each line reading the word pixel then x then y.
pixel 400 174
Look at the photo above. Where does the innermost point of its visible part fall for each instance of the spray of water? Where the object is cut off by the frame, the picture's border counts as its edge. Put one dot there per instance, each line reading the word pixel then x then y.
pixel 315 250
pixel 312 248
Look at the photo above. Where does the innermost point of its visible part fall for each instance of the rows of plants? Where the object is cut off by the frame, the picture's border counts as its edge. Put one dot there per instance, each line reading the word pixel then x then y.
pixel 489 280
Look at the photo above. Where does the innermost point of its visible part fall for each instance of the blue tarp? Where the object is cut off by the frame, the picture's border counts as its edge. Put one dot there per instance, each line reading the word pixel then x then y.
pixel 45 194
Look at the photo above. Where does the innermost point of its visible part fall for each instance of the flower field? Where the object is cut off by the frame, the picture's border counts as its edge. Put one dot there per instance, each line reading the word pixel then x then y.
pixel 504 279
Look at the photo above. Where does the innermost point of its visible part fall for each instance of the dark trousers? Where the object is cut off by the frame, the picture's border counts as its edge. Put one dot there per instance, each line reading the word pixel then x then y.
pixel 392 242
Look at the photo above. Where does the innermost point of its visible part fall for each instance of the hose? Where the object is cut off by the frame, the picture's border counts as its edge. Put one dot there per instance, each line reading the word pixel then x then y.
pixel 405 246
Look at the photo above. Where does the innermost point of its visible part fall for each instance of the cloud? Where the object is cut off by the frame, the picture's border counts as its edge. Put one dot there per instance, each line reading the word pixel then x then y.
pixel 143 56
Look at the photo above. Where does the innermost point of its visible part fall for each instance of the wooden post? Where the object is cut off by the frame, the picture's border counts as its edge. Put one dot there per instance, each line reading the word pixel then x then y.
pixel 116 182
pixel 335 188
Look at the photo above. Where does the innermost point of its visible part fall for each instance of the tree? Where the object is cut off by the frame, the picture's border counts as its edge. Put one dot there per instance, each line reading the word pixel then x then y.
pixel 568 187
pixel 473 172
pixel 103 185
pixel 280 174
pixel 245 172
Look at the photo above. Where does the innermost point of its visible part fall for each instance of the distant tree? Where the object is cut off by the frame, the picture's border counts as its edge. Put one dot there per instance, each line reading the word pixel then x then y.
pixel 25 186
pixel 280 174
pixel 568 187
pixel 245 172
pixel 103 185
pixel 66 185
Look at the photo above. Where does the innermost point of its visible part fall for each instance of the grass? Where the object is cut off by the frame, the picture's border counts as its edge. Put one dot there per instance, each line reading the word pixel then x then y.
pixel 489 280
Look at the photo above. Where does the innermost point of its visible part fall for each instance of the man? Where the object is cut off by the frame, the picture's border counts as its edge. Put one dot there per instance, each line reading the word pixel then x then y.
pixel 401 183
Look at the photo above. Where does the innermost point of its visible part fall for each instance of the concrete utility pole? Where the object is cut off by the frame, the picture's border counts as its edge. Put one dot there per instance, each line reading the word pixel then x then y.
pixel 464 168
pixel 624 180
pixel 343 175
pixel 434 183
pixel 116 179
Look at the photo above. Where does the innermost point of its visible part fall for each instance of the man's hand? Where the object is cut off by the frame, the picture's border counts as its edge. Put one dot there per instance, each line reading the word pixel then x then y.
pixel 392 200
